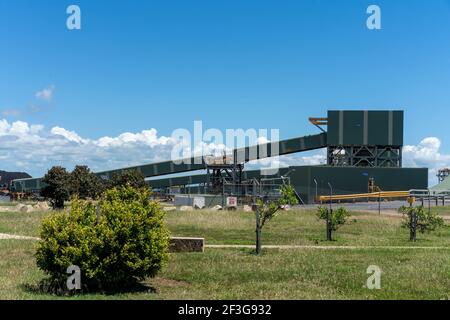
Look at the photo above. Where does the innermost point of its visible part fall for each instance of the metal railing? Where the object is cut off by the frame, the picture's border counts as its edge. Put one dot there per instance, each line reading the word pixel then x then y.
pixel 422 194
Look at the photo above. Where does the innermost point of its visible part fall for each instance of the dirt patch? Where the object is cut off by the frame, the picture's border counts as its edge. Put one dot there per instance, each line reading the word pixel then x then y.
pixel 165 282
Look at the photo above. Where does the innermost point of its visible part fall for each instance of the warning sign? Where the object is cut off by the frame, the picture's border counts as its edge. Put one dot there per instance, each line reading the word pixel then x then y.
pixel 231 202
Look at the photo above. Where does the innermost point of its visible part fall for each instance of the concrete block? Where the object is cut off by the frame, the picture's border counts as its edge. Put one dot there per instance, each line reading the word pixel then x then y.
pixel 186 244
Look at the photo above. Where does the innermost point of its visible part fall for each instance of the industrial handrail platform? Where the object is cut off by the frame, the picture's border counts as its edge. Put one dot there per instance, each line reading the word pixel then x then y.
pixel 382 194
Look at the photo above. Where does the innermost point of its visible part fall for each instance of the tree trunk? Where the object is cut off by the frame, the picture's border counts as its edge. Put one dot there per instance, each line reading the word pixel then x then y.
pixel 258 241
pixel 413 227
pixel 258 233
pixel 329 237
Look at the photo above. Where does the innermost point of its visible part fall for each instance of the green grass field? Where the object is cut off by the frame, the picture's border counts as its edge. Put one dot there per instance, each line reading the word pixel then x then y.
pixel 306 273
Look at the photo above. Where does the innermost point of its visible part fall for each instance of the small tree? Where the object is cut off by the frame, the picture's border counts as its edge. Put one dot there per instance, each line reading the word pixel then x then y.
pixel 267 210
pixel 334 219
pixel 132 178
pixel 416 218
pixel 57 186
pixel 84 184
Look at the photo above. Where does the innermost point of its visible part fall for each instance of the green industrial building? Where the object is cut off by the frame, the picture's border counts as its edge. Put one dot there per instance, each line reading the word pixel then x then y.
pixel 364 150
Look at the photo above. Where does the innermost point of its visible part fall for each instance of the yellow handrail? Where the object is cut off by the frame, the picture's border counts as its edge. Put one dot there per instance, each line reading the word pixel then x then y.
pixel 382 194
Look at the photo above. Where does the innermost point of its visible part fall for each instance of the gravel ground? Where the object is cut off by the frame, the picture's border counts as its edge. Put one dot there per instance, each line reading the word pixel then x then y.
pixel 4 236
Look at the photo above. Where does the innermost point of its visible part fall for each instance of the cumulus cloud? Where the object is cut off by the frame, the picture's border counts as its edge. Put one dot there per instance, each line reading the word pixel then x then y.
pixel 426 154
pixel 46 94
pixel 34 149
pixel 69 135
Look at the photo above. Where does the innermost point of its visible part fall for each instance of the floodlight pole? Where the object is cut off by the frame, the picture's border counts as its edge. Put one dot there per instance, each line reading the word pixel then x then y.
pixel 315 182
pixel 379 203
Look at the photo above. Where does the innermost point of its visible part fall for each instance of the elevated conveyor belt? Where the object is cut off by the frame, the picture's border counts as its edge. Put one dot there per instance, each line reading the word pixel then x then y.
pixel 246 154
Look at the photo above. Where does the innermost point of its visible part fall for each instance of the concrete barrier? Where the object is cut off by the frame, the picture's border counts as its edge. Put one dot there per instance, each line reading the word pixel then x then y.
pixel 186 244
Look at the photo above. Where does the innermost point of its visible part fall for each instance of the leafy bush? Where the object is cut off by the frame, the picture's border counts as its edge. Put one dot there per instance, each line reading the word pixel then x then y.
pixel 129 242
pixel 335 218
pixel 416 218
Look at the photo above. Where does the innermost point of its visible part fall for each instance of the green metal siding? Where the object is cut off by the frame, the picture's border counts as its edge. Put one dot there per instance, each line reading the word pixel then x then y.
pixel 381 128
pixel 348 180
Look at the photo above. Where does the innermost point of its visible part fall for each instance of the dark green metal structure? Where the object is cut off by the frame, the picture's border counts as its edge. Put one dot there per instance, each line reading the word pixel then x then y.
pixel 241 155
pixel 361 145
pixel 365 138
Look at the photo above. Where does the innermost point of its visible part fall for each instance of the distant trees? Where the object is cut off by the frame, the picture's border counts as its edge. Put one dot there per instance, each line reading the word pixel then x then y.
pixel 132 178
pixel 84 184
pixel 57 187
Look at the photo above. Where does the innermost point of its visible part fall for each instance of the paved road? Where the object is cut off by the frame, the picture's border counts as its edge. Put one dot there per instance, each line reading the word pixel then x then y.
pixel 232 246
pixel 373 206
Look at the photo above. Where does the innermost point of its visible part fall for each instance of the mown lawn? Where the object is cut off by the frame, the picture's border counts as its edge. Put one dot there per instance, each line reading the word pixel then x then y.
pixel 277 274
pixel 299 227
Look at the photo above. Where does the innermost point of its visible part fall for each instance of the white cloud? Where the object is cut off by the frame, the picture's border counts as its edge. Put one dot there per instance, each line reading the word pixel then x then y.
pixel 46 94
pixel 426 154
pixel 69 135
pixel 11 112
pixel 19 128
pixel 32 148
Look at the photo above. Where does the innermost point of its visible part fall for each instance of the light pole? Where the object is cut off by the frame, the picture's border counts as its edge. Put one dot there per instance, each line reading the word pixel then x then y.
pixel 315 182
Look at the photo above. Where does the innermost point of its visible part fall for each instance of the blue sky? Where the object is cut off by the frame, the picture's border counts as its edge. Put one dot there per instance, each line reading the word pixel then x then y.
pixel 137 65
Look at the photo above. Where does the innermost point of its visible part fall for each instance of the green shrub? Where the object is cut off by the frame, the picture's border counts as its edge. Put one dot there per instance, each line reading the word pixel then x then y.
pixel 129 243
pixel 335 218
pixel 416 218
